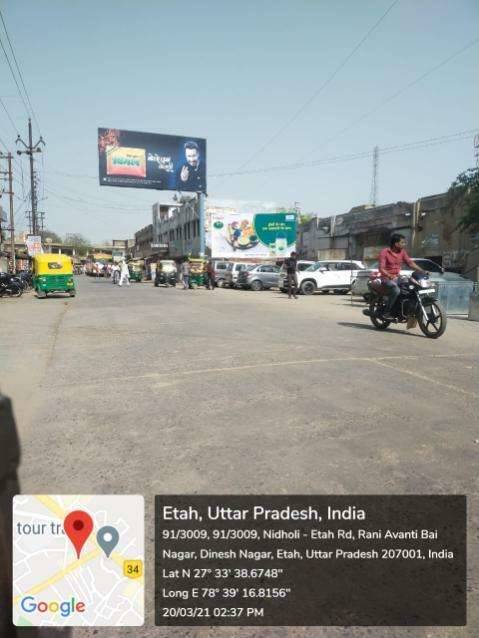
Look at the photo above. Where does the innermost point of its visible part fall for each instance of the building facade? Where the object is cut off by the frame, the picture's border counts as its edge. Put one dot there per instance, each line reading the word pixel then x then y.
pixel 430 226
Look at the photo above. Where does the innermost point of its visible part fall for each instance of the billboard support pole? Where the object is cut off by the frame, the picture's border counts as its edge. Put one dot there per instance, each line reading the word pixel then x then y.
pixel 201 214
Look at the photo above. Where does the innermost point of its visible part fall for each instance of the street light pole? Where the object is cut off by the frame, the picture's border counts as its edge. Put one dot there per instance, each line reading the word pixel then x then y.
pixel 30 149
pixel 201 215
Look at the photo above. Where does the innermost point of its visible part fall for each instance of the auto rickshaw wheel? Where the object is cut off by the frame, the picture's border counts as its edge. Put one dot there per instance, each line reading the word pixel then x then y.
pixel 41 294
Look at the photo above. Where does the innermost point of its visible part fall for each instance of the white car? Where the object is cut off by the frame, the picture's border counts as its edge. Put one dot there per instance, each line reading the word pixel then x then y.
pixel 326 275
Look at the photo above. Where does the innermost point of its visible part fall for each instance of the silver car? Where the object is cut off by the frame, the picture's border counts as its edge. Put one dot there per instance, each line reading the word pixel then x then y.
pixel 437 274
pixel 232 272
pixel 220 272
pixel 261 277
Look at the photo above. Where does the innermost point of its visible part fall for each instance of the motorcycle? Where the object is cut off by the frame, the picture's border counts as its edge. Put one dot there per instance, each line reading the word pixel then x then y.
pixel 417 302
pixel 10 285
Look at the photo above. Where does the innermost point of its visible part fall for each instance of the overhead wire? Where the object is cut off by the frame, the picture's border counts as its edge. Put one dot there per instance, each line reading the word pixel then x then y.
pixel 443 139
pixel 385 101
pixel 32 110
pixel 328 81
pixel 9 116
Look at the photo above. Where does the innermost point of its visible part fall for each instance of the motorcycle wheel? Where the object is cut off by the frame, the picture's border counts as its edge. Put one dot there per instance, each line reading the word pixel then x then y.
pixel 378 322
pixel 16 291
pixel 437 320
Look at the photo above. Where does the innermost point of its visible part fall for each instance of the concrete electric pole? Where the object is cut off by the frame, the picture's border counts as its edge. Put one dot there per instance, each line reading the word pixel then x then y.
pixel 30 149
pixel 9 173
pixel 374 183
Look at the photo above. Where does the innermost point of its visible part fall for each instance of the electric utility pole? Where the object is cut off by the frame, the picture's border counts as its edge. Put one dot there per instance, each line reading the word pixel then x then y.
pixel 30 149
pixel 9 173
pixel 374 182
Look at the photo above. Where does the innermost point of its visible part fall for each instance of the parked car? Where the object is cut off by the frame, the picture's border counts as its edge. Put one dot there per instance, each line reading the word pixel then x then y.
pixel 326 275
pixel 259 277
pixel 232 272
pixel 301 265
pixel 220 271
pixel 438 274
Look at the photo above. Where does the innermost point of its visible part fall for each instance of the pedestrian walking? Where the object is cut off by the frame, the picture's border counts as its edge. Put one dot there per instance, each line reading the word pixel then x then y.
pixel 210 276
pixel 124 274
pixel 185 271
pixel 291 265
pixel 115 273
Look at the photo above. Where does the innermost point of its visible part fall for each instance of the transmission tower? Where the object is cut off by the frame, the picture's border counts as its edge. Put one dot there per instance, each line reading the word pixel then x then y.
pixel 374 183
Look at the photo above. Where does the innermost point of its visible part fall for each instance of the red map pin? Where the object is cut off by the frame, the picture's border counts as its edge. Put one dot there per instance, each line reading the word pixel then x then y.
pixel 78 526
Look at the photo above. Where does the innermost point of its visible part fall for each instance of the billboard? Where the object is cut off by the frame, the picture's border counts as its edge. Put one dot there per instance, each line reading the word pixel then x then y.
pixel 259 235
pixel 34 245
pixel 150 160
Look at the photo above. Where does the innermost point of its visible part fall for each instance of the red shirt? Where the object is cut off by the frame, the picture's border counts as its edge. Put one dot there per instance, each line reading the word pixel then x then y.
pixel 391 262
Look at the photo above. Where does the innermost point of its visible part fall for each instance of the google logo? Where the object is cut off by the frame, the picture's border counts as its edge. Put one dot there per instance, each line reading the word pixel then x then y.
pixel 66 607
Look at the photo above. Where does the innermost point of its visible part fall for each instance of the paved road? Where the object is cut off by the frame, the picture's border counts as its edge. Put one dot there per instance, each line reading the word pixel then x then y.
pixel 168 391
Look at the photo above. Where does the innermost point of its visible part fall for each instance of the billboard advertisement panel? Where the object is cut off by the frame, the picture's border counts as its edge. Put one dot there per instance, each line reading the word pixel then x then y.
pixel 260 235
pixel 150 160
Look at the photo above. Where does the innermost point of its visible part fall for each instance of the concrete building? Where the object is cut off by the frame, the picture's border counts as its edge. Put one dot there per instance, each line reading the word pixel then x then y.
pixel 143 242
pixel 430 226
pixel 179 228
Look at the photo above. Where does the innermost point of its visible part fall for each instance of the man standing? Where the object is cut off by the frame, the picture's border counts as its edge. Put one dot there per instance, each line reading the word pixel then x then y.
pixel 390 263
pixel 291 264
pixel 210 275
pixel 124 274
pixel 191 175
pixel 185 271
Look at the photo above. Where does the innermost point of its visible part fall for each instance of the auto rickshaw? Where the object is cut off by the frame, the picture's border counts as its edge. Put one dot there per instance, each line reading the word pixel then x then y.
pixel 198 276
pixel 137 269
pixel 166 273
pixel 53 273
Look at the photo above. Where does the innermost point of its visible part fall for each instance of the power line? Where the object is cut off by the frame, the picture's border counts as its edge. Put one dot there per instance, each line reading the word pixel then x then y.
pixel 14 77
pixel 300 162
pixel 99 210
pixel 311 99
pixel 394 95
pixel 19 72
pixel 9 116
pixel 432 141
pixel 77 200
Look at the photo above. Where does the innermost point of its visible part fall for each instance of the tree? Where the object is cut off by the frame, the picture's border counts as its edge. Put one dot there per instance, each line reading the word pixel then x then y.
pixel 50 234
pixel 80 244
pixel 304 219
pixel 466 185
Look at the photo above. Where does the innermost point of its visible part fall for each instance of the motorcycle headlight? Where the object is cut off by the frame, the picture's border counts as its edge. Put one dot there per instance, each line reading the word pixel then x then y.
pixel 425 283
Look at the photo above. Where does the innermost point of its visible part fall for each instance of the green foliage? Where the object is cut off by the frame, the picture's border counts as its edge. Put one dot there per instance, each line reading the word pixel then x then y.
pixel 466 185
pixel 79 242
pixel 50 234
pixel 304 219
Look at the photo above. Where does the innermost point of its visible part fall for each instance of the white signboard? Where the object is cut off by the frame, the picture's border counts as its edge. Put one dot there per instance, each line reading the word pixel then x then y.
pixel 243 235
pixel 34 245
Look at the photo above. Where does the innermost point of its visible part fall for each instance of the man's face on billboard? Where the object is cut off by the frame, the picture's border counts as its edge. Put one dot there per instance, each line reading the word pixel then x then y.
pixel 192 156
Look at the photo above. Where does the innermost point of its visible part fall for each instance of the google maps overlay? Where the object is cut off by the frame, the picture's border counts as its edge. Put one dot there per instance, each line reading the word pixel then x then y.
pixel 78 560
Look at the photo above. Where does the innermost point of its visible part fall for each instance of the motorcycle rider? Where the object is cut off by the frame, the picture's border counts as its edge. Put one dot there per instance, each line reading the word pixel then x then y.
pixel 390 263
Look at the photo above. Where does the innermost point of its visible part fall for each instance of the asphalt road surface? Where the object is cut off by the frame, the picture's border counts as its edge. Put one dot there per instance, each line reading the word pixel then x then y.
pixel 146 390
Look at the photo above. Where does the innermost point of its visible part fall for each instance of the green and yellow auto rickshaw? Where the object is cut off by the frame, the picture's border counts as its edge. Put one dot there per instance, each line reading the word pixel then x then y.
pixel 137 269
pixel 53 273
pixel 198 276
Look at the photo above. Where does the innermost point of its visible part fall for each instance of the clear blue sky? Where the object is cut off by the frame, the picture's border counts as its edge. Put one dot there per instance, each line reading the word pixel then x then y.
pixel 235 73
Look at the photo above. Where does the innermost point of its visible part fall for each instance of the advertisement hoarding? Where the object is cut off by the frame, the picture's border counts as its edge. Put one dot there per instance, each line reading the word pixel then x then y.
pixel 150 160
pixel 259 235
pixel 34 245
